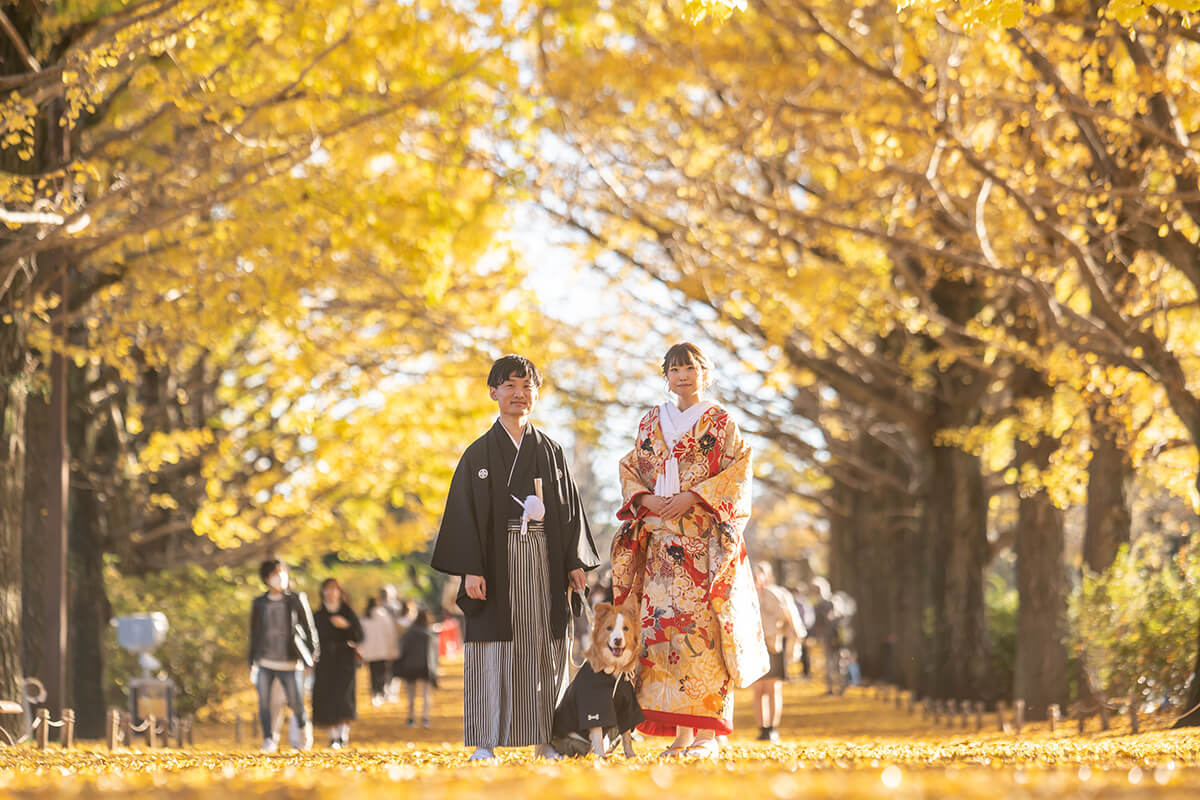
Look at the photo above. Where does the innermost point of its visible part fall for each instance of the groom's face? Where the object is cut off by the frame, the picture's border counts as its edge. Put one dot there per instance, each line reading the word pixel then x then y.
pixel 516 396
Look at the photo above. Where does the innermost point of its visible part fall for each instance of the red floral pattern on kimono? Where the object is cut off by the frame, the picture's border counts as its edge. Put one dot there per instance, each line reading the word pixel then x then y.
pixel 701 626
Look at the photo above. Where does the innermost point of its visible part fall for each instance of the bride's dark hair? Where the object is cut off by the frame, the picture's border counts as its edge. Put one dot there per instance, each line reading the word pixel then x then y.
pixel 685 353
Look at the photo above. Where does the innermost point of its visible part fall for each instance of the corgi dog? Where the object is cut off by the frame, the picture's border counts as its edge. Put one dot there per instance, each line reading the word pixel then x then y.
pixel 601 698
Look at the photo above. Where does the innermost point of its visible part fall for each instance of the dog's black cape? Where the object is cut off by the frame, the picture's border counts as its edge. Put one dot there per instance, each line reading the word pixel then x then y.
pixel 473 539
pixel 594 699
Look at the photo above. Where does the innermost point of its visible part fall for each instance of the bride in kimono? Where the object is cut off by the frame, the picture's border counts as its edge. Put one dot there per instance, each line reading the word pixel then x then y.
pixel 686 486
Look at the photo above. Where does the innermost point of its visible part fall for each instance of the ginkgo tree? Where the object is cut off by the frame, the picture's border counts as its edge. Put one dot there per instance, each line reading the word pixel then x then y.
pixel 279 240
pixel 975 242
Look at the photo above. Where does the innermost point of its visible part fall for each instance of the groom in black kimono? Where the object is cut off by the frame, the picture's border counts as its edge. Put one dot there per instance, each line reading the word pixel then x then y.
pixel 515 530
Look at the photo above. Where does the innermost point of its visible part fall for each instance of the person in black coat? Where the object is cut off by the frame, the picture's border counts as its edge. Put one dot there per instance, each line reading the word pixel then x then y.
pixel 335 682
pixel 418 664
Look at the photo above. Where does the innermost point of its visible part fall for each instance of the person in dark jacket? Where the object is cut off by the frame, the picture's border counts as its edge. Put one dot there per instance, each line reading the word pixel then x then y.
pixel 335 682
pixel 418 665
pixel 283 645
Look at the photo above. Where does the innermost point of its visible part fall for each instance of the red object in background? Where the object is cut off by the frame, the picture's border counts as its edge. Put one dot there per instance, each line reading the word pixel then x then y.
pixel 450 639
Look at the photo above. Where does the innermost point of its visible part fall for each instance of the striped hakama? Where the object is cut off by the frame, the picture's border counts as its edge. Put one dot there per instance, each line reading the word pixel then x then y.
pixel 510 689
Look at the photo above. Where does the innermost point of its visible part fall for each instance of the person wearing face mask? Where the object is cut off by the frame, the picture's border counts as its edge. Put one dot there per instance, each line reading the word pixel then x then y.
pixel 334 683
pixel 283 645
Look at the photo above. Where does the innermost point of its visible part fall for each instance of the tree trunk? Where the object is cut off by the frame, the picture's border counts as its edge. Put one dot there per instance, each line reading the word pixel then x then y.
pixel 1040 671
pixel 15 373
pixel 90 612
pixel 872 558
pixel 34 524
pixel 956 536
pixel 1108 516
pixel 956 516
pixel 16 370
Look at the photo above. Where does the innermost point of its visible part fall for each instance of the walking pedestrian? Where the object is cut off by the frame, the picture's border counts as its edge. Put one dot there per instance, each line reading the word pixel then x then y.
pixel 418 665
pixel 782 628
pixel 334 683
pixel 380 647
pixel 283 645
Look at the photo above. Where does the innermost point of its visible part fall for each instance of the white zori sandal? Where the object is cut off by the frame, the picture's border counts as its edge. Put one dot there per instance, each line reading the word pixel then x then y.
pixel 703 748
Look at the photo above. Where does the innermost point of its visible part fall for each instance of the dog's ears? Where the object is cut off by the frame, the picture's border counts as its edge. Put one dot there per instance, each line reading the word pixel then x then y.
pixel 602 608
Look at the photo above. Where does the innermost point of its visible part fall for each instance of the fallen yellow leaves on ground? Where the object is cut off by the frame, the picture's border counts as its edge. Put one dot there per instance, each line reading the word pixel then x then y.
pixel 845 747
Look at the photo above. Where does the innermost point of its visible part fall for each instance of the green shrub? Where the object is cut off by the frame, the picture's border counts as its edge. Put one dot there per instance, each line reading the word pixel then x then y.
pixel 1136 625
pixel 1000 600
pixel 205 649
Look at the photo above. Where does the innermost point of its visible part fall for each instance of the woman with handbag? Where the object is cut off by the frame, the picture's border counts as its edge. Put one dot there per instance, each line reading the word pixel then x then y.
pixel 686 486
pixel 334 683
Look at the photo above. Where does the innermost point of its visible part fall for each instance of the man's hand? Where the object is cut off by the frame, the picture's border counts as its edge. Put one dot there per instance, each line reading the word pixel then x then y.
pixel 678 505
pixel 338 621
pixel 476 587
pixel 578 579
pixel 653 503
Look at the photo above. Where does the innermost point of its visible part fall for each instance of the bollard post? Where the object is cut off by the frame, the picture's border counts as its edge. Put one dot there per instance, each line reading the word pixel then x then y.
pixel 237 729
pixel 937 712
pixel 1081 718
pixel 1000 708
pixel 112 724
pixel 127 728
pixel 68 732
pixel 151 732
pixel 1053 717
pixel 1019 716
pixel 925 709
pixel 951 712
pixel 1103 716
pixel 979 716
pixel 964 708
pixel 43 731
pixel 191 742
pixel 1134 726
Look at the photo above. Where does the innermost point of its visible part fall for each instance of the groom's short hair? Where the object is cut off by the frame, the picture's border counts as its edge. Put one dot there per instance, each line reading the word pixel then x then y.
pixel 514 365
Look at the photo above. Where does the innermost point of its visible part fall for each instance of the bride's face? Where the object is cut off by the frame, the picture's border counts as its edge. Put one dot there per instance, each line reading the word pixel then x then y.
pixel 685 380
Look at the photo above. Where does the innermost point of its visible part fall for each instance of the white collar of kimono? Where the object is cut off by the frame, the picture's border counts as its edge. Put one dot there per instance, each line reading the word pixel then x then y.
pixel 516 444
pixel 532 507
pixel 674 424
